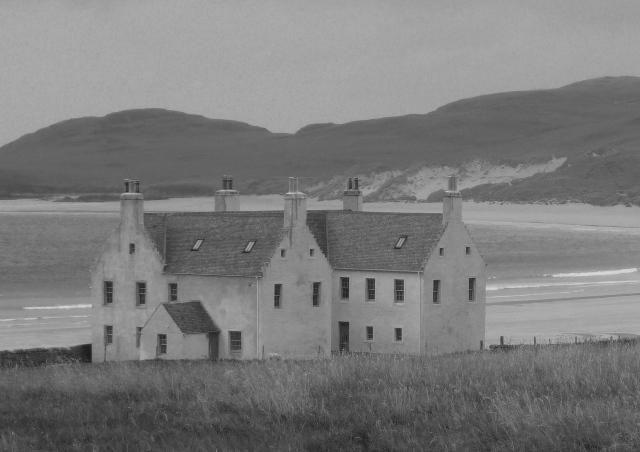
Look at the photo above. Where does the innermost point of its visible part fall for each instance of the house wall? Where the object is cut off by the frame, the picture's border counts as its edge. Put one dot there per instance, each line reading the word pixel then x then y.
pixel 383 313
pixel 179 345
pixel 124 269
pixel 296 329
pixel 456 323
pixel 231 303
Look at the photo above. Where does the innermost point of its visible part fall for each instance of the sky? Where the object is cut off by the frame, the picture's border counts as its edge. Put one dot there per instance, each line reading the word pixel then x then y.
pixel 285 64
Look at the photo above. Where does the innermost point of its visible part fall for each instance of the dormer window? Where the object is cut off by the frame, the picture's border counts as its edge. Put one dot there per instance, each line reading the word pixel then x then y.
pixel 197 245
pixel 400 242
pixel 249 247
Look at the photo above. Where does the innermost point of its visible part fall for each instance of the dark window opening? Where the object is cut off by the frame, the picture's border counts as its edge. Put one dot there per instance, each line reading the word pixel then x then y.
pixel 441 251
pixel 162 344
pixel 108 334
pixel 316 294
pixel 467 250
pixel 108 292
pixel 235 341
pixel 371 289
pixel 436 291
pixel 173 291
pixel 398 334
pixel 141 293
pixel 399 290
pixel 344 288
pixel 132 248
pixel 369 333
pixel 472 289
pixel 283 253
pixel 312 252
pixel 277 295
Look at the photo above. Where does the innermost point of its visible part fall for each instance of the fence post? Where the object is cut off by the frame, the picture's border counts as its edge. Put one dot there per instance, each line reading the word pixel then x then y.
pixel 534 340
pixel 501 340
pixel 481 345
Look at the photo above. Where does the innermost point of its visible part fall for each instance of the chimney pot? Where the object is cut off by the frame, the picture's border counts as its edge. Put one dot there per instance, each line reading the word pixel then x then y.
pixel 126 185
pixel 230 182
pixel 453 183
pixel 350 184
pixel 137 186
pixel 355 183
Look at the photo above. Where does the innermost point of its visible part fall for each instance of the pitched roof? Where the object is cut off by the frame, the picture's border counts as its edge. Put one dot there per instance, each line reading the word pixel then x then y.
pixel 350 240
pixel 366 240
pixel 191 317
pixel 225 235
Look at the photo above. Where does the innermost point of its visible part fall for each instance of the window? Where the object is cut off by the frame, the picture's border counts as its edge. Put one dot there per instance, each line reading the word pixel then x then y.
pixel 399 290
pixel 369 333
pixel 400 242
pixel 277 295
pixel 344 288
pixel 141 293
pixel 467 250
pixel 108 334
pixel 162 344
pixel 283 253
pixel 316 294
pixel 371 289
pixel 436 291
pixel 138 336
pixel 108 292
pixel 249 247
pixel 441 251
pixel 197 245
pixel 312 252
pixel 173 291
pixel 235 341
pixel 397 334
pixel 132 248
pixel 472 289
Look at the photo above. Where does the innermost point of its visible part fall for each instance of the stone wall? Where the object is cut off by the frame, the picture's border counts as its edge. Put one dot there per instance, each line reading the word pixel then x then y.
pixel 44 356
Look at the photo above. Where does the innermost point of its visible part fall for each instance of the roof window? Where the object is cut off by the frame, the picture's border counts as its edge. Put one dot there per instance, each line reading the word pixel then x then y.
pixel 197 245
pixel 400 242
pixel 249 247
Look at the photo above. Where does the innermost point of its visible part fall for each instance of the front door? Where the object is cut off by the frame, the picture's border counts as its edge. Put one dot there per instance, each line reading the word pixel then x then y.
pixel 213 345
pixel 344 336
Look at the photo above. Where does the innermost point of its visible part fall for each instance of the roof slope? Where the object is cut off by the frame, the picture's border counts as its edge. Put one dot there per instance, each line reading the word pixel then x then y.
pixel 350 240
pixel 225 236
pixel 191 317
pixel 366 240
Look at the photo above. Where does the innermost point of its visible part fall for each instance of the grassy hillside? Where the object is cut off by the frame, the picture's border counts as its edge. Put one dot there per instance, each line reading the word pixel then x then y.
pixel 179 153
pixel 572 398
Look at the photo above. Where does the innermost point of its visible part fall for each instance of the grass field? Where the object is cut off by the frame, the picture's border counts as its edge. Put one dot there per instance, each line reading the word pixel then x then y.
pixel 573 398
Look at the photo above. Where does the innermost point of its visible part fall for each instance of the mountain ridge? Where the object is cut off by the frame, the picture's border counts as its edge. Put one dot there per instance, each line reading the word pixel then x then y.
pixel 179 153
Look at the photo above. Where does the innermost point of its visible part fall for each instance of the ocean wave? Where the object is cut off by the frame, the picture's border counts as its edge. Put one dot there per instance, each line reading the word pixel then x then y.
pixel 68 306
pixel 535 294
pixel 531 286
pixel 21 318
pixel 594 273
pixel 42 325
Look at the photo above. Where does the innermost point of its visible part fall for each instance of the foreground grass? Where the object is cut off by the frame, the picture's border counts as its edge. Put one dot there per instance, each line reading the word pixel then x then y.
pixel 576 398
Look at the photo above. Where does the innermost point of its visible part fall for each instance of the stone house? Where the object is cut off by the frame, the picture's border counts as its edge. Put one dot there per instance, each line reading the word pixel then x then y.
pixel 297 283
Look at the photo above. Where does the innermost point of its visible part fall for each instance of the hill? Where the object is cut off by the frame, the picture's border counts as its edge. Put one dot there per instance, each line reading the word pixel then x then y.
pixel 582 138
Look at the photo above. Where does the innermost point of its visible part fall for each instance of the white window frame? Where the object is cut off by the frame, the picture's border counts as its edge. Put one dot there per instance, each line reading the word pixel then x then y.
pixel 366 333
pixel 233 351
pixel 395 292
pixel 401 328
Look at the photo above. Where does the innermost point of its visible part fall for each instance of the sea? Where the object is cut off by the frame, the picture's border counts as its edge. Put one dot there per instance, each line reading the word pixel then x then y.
pixel 546 282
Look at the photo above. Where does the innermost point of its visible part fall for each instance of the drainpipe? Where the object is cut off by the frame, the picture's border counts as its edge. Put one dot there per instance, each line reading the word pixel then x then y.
pixel 258 319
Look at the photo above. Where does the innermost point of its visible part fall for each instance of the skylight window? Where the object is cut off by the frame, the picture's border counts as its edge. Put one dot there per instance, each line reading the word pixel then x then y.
pixel 400 242
pixel 197 245
pixel 249 247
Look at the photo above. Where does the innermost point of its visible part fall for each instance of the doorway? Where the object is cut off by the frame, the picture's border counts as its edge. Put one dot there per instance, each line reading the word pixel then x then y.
pixel 344 336
pixel 214 345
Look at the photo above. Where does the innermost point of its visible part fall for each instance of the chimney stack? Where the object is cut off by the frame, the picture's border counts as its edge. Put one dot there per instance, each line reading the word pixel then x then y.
pixel 295 205
pixel 227 199
pixel 352 196
pixel 131 207
pixel 452 202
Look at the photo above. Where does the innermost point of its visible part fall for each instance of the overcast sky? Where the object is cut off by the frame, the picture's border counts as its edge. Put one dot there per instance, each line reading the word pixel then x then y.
pixel 285 64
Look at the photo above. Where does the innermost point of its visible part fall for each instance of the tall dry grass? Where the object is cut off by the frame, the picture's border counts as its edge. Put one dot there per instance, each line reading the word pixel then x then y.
pixel 574 398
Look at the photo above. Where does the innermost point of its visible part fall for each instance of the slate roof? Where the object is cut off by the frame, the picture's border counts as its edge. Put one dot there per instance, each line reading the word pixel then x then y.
pixel 191 317
pixel 350 240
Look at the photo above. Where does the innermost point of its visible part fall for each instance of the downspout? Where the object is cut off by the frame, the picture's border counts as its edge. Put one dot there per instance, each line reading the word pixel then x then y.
pixel 258 319
pixel 421 319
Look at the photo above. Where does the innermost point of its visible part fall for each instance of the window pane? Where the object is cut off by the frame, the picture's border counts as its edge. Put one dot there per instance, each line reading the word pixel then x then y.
pixel 162 344
pixel 369 333
pixel 173 291
pixel 235 341
pixel 108 292
pixel 436 291
pixel 399 289
pixel 277 295
pixel 371 289
pixel 472 289
pixel 344 287
pixel 108 334
pixel 398 334
pixel 316 294
pixel 141 293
